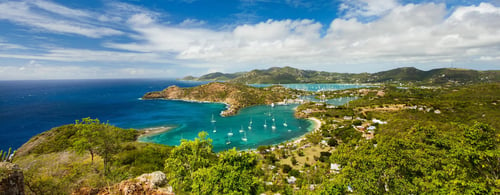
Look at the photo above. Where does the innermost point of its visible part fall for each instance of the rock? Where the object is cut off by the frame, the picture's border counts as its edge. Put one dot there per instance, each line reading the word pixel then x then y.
pixel 149 184
pixel 381 93
pixel 156 179
pixel 11 179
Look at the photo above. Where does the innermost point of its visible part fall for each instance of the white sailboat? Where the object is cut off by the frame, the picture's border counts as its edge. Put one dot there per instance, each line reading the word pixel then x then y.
pixel 265 123
pixel 250 125
pixel 215 130
pixel 244 138
pixel 284 124
pixel 213 119
pixel 273 126
pixel 228 141
pixel 230 133
pixel 241 130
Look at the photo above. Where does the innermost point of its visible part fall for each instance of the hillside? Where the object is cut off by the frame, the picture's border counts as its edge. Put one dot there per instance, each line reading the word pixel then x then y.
pixel 236 95
pixel 216 76
pixel 399 75
pixel 439 140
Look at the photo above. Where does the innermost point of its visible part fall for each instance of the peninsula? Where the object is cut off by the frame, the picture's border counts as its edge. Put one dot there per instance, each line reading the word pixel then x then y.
pixel 235 95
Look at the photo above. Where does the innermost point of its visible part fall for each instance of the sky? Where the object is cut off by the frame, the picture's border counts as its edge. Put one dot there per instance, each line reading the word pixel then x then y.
pixel 93 39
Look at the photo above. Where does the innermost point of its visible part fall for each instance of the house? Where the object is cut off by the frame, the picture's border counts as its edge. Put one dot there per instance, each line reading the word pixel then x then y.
pixel 334 167
pixel 371 128
pixel 378 121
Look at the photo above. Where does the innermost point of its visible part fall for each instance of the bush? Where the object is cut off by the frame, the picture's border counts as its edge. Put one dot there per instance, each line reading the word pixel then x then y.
pixel 294 161
pixel 286 168
pixel 324 156
pixel 294 173
pixel 333 142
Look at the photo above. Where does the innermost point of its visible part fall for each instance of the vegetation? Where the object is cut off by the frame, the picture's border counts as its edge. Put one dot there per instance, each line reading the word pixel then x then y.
pixel 408 75
pixel 85 154
pixel 6 156
pixel 236 95
pixel 415 140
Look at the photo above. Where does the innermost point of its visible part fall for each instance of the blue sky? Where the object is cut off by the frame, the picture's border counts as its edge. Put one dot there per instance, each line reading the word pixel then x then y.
pixel 174 38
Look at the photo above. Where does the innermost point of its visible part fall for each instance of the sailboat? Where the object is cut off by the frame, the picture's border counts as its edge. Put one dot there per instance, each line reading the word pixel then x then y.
pixel 241 130
pixel 265 123
pixel 244 138
pixel 250 124
pixel 230 133
pixel 274 126
pixel 213 119
pixel 284 124
pixel 228 141
pixel 274 119
pixel 215 130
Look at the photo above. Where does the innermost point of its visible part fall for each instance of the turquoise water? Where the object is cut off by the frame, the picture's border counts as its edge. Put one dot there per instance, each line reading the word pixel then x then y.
pixel 316 87
pixel 251 120
pixel 28 108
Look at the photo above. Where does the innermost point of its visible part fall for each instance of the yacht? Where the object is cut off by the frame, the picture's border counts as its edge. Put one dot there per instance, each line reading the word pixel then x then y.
pixel 213 119
pixel 284 124
pixel 265 123
pixel 241 130
pixel 244 138
pixel 215 130
pixel 230 133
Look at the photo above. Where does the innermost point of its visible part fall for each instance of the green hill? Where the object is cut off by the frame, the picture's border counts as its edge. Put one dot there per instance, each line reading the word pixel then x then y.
pixel 287 74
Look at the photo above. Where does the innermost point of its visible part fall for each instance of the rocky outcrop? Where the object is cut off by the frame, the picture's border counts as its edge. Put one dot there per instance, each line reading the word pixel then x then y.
pixel 11 179
pixel 146 184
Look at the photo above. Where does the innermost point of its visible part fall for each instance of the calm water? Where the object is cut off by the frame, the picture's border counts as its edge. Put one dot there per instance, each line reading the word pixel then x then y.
pixel 28 108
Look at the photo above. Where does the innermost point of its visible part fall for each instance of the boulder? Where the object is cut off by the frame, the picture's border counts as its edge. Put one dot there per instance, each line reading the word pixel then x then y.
pixel 11 179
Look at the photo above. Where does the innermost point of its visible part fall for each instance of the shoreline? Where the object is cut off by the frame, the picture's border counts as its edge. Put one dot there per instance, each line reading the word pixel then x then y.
pixel 317 125
pixel 151 131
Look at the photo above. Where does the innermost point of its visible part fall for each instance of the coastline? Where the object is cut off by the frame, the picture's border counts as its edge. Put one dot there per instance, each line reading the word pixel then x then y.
pixel 147 132
pixel 317 126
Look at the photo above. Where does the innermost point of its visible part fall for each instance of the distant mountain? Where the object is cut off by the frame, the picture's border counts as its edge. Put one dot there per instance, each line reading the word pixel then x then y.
pixel 407 74
pixel 216 76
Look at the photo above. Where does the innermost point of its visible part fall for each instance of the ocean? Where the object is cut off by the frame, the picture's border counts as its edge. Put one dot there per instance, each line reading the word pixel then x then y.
pixel 28 108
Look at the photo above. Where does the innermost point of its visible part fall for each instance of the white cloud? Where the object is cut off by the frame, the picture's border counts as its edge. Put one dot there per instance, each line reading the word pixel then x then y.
pixel 422 35
pixel 24 13
pixel 59 9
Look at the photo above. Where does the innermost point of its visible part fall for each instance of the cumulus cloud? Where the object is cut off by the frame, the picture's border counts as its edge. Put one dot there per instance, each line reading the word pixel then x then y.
pixel 423 35
pixel 404 34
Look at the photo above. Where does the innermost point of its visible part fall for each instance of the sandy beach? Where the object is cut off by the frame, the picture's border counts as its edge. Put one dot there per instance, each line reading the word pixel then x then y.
pixel 317 125
pixel 154 131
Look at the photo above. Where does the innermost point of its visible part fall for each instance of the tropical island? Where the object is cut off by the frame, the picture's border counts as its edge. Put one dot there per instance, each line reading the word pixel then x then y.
pixel 402 136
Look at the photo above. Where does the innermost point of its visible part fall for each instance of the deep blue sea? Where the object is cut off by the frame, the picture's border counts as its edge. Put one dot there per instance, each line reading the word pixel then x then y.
pixel 28 108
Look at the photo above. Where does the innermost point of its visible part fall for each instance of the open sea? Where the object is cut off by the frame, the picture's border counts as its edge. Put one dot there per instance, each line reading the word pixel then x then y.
pixel 28 108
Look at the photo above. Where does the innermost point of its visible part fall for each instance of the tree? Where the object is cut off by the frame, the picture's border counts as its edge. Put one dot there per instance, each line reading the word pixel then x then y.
pixel 97 138
pixel 186 158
